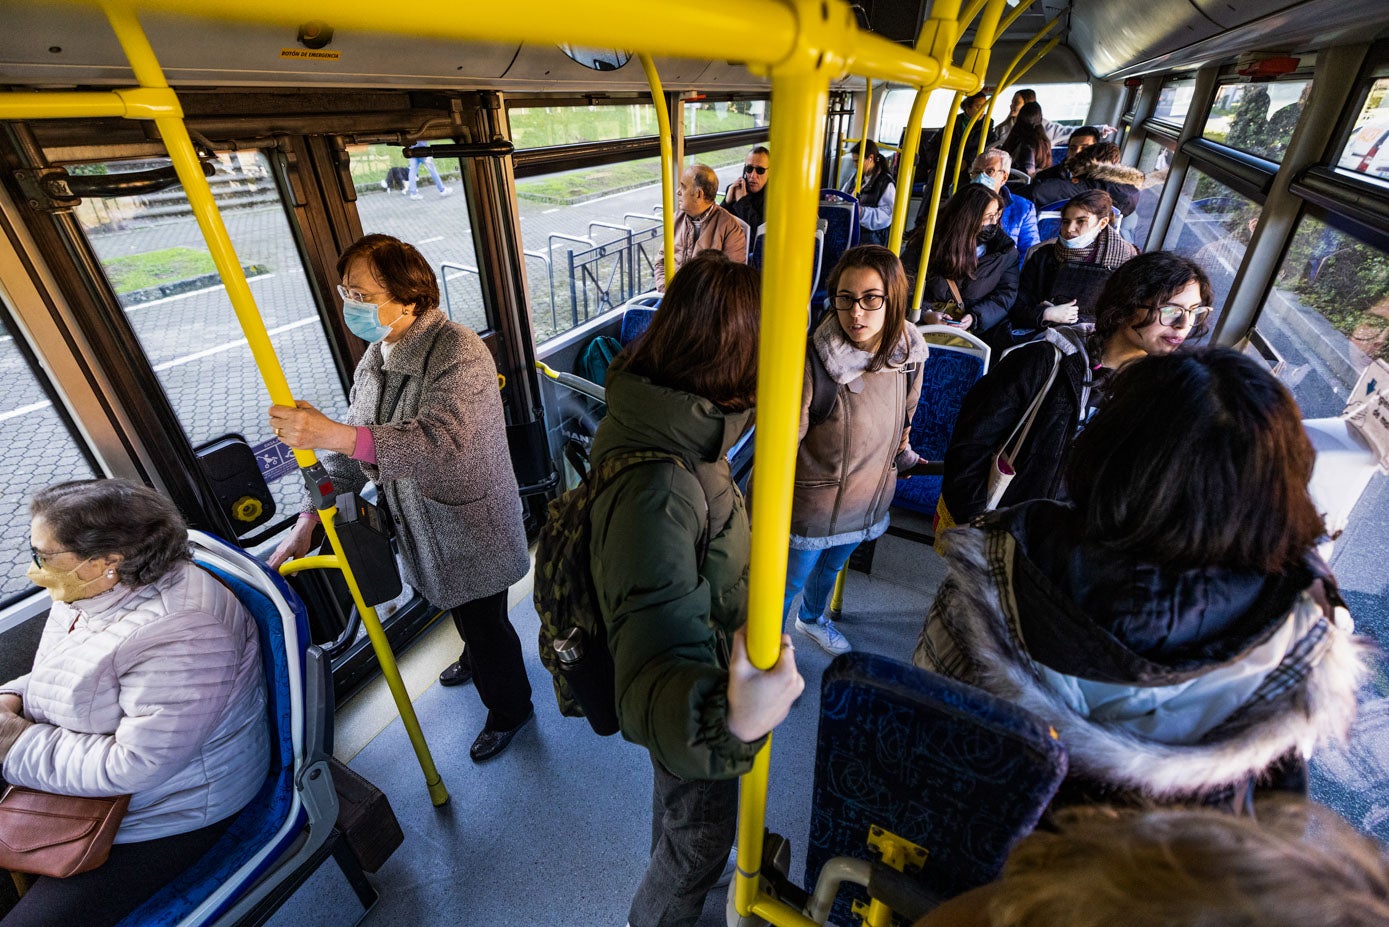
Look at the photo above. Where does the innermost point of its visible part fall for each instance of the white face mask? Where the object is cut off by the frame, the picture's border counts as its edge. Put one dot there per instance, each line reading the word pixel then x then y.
pixel 1083 241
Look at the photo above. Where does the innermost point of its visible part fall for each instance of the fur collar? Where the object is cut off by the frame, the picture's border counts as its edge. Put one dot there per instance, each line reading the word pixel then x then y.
pixel 1318 711
pixel 1113 173
pixel 845 363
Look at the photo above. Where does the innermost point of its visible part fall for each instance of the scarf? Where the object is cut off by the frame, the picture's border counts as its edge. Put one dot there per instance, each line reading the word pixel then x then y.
pixel 1109 250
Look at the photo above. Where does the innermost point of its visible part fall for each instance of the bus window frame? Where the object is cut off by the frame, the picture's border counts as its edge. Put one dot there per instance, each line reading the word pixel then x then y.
pixel 1376 69
pixel 1173 125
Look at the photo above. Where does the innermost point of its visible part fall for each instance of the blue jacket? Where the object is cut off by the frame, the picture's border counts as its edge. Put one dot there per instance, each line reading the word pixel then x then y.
pixel 1019 220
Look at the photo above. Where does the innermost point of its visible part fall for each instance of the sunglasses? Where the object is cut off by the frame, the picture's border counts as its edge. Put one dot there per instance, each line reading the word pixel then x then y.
pixel 1168 315
pixel 754 169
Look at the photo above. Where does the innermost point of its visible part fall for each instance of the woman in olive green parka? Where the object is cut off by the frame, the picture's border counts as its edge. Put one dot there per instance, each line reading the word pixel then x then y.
pixel 669 556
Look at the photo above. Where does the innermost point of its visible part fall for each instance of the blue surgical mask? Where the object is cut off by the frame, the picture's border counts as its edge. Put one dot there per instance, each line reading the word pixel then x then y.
pixel 363 321
pixel 1082 241
pixel 984 180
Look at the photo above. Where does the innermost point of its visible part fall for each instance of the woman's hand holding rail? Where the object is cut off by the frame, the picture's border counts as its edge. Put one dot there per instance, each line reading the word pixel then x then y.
pixel 758 700
pixel 306 428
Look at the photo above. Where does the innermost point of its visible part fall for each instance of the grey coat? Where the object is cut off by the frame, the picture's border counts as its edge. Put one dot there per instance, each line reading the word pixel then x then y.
pixel 435 413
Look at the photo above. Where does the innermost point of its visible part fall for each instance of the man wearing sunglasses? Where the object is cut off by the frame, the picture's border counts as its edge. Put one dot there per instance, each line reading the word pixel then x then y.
pixel 747 196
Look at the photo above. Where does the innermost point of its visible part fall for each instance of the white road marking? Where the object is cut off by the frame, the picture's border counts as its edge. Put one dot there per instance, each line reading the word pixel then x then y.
pixel 432 240
pixel 209 289
pixel 176 362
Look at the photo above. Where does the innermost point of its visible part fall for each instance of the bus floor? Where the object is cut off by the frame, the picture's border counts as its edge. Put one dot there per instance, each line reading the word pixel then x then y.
pixel 555 831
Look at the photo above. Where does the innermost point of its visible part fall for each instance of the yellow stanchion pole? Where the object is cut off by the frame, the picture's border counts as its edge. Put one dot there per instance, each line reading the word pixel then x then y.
pixel 172 130
pixel 837 599
pixel 1012 73
pixel 668 165
pixel 863 136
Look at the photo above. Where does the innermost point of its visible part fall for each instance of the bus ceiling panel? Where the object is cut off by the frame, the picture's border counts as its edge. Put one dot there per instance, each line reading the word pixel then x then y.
pixel 1109 35
pixel 1135 37
pixel 1061 65
pixel 62 45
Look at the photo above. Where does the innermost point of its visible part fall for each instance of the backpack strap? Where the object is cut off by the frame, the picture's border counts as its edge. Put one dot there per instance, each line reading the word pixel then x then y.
pixel 824 392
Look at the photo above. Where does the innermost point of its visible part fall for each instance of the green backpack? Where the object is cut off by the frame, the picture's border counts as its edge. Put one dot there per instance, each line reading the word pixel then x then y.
pixel 573 638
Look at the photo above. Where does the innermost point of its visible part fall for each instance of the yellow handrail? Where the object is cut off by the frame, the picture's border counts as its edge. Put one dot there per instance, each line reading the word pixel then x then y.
pixel 155 101
pixel 863 140
pixel 976 61
pixel 668 165
pixel 1012 73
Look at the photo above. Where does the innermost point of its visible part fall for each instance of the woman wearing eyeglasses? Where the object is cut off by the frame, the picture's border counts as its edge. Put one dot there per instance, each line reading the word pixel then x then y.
pixel 862 382
pixel 1150 305
pixel 426 424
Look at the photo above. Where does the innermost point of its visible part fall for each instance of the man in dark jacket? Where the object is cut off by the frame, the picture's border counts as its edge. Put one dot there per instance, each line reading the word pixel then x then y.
pixel 747 197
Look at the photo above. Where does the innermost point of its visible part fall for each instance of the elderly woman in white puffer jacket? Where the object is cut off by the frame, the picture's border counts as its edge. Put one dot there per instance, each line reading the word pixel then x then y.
pixel 147 682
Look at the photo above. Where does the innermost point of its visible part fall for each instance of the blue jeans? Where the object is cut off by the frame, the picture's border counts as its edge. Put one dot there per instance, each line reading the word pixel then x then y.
pixel 415 163
pixel 814 571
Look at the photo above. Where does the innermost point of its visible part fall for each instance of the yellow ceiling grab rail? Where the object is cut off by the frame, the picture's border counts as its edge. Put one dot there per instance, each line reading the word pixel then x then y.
pixel 977 62
pixel 154 100
pixel 668 165
pixel 1013 72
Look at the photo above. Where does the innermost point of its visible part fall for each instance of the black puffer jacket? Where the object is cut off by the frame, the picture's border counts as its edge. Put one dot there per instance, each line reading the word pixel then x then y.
pixel 1120 182
pixel 991 292
pixel 995 406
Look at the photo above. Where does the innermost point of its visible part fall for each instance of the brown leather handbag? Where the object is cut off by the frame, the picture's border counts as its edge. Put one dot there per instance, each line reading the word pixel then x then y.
pixel 56 835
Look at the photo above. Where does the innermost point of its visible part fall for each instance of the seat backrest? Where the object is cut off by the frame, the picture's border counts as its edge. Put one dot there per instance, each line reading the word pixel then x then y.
pixel 949 374
pixel 1049 220
pixel 942 764
pixel 841 214
pixel 755 246
pixel 635 321
pixel 270 822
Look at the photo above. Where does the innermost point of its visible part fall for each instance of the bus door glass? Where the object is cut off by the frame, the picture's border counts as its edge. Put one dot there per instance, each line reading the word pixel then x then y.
pixel 421 201
pixel 162 274
pixel 40 449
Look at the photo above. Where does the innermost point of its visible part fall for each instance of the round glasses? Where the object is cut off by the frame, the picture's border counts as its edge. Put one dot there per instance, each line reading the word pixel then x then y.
pixel 754 169
pixel 1168 315
pixel 357 296
pixel 871 302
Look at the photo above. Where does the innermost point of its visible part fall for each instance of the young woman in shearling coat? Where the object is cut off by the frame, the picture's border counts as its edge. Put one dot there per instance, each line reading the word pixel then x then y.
pixel 426 424
pixel 848 463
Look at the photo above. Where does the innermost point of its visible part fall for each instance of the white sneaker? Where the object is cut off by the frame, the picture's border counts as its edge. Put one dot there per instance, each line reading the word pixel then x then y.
pixel 385 186
pixel 824 633
pixel 416 196
pixel 405 191
pixel 446 191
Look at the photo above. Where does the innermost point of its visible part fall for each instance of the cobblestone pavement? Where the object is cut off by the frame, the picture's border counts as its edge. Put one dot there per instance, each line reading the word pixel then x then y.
pixel 205 367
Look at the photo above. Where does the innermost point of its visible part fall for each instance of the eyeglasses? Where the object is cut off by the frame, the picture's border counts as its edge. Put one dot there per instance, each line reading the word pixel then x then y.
pixel 357 296
pixel 754 169
pixel 871 302
pixel 40 555
pixel 1168 315
pixel 992 218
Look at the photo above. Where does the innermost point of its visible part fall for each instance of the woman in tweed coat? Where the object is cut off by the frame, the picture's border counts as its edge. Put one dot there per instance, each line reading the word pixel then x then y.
pixel 426 424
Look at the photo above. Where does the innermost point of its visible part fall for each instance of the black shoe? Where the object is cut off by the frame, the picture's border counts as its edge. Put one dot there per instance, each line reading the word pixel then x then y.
pixel 489 743
pixel 457 674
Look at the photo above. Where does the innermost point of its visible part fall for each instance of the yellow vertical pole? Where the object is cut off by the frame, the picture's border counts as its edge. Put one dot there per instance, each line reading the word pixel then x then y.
pixel 668 165
pixel 863 135
pixel 185 160
pixel 938 37
pixel 1011 72
pixel 801 92
pixel 947 136
pixel 837 599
